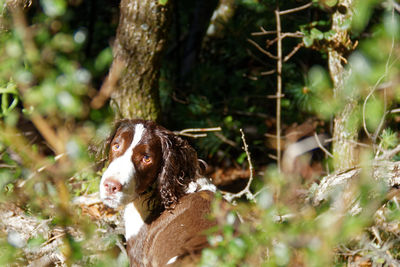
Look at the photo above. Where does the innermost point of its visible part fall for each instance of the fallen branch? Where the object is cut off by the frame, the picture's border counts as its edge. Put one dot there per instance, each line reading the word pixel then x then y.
pixel 382 171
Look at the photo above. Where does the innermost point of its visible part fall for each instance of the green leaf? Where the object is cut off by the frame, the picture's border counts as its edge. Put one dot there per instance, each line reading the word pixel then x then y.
pixel 329 34
pixel 163 2
pixel 316 34
pixel 103 60
pixel 308 41
pixel 330 3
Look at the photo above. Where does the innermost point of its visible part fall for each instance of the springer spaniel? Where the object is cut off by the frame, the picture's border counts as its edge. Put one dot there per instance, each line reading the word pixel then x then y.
pixel 156 176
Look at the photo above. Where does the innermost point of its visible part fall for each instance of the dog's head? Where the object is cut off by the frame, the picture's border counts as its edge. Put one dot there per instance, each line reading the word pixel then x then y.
pixel 144 156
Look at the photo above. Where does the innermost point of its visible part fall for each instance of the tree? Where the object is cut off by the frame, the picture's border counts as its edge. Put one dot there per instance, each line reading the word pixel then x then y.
pixel 140 42
pixel 345 134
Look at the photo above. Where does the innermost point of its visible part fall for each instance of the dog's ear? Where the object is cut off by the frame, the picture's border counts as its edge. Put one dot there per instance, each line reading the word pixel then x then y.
pixel 180 166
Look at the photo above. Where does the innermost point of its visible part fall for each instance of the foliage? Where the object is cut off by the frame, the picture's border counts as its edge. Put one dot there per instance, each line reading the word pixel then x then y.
pixel 52 57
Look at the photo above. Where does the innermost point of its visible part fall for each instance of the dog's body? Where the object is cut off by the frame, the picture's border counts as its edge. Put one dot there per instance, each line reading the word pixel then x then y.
pixel 157 177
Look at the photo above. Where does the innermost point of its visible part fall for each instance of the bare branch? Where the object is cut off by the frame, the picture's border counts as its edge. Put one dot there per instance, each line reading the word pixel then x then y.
pixel 263 32
pixel 389 153
pixel 321 146
pixel 269 72
pixel 189 132
pixel 246 191
pixel 292 34
pixel 276 96
pixel 297 9
pixel 294 51
pixel 261 49
pixel 278 88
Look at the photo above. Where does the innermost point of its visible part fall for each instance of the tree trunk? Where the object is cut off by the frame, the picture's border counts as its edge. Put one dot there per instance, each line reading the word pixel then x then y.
pixel 345 135
pixel 140 41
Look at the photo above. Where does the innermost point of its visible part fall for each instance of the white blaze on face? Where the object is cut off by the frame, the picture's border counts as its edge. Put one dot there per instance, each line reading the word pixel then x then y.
pixel 122 170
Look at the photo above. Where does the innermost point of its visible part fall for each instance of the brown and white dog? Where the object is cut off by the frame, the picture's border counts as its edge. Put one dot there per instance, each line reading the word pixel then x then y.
pixel 156 176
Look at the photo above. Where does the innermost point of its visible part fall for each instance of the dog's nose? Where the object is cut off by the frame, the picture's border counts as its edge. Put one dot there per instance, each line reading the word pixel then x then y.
pixel 112 186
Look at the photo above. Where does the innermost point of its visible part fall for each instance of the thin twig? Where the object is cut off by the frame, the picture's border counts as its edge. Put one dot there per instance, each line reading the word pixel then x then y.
pixel 52 239
pixel 189 132
pixel 263 32
pixel 246 191
pixel 389 154
pixel 288 11
pixel 269 72
pixel 279 88
pixel 284 35
pixel 275 96
pixel 261 49
pixel 321 146
pixel 294 51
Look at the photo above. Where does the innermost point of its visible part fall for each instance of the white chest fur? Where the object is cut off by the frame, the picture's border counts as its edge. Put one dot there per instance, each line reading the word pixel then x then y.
pixel 133 221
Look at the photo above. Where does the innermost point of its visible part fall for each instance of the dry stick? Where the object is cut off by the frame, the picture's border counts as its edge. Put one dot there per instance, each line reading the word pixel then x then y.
pixel 263 32
pixel 288 11
pixel 321 146
pixel 261 49
pixel 386 155
pixel 286 34
pixel 268 72
pixel 246 191
pixel 279 88
pixel 189 132
pixel 294 51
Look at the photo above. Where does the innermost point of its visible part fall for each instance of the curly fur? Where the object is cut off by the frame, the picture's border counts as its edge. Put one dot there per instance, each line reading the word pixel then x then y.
pixel 179 165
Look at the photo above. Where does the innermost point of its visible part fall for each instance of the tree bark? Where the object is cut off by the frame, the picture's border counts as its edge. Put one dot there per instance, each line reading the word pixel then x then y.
pixel 345 135
pixel 140 41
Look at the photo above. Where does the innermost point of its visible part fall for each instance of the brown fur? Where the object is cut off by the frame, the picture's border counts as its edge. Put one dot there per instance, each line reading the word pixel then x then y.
pixel 176 233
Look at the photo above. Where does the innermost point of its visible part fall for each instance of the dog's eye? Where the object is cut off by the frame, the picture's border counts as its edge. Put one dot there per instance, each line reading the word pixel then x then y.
pixel 146 159
pixel 115 147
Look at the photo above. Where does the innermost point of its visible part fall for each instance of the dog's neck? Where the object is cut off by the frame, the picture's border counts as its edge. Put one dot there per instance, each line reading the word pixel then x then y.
pixel 142 210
